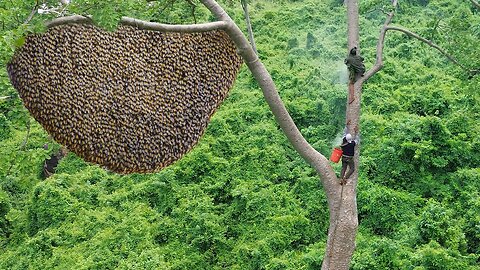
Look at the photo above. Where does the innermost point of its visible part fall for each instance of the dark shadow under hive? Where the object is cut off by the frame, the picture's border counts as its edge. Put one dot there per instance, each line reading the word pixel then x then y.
pixel 131 100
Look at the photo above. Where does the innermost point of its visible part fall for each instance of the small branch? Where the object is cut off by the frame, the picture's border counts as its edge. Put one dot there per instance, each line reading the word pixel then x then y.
pixel 187 28
pixel 429 43
pixel 6 97
pixel 249 25
pixel 67 20
pixel 25 141
pixel 32 13
pixel 475 3
pixel 381 41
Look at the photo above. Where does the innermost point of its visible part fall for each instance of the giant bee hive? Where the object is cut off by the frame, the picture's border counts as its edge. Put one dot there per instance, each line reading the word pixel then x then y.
pixel 131 100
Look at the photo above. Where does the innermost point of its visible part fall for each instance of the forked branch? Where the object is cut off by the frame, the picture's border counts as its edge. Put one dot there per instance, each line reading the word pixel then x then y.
pixel 433 45
pixel 381 41
pixel 260 73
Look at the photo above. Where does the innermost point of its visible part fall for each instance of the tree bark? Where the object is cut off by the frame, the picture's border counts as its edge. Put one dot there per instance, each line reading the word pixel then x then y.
pixel 343 228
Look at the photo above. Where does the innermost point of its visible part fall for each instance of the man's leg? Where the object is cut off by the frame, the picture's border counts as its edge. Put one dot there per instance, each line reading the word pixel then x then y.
pixel 351 167
pixel 344 168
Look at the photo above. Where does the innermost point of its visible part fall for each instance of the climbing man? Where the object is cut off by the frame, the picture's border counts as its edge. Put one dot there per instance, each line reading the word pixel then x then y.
pixel 348 148
pixel 356 69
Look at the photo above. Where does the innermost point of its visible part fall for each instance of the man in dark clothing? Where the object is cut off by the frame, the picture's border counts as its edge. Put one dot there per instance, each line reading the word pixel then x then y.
pixel 348 148
pixel 355 65
pixel 356 68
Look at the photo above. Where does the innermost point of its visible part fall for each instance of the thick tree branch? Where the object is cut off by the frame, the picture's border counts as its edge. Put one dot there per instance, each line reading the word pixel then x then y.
pixel 308 153
pixel 175 28
pixel 188 28
pixel 341 199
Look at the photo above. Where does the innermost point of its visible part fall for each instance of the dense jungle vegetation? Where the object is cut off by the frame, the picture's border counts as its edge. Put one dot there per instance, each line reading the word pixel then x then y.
pixel 243 198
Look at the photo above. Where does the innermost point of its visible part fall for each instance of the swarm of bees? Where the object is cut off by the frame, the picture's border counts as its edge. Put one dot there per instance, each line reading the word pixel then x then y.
pixel 131 100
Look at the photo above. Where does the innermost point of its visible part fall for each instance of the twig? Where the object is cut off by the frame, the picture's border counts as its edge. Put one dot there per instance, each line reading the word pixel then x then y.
pixel 32 13
pixel 22 146
pixel 25 141
pixel 6 97
pixel 185 28
pixel 249 25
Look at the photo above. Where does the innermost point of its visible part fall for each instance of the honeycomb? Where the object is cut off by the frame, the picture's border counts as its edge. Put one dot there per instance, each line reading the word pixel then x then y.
pixel 131 100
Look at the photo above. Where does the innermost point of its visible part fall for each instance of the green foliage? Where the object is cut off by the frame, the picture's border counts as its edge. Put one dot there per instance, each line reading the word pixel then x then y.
pixel 5 130
pixel 4 209
pixel 382 209
pixel 433 256
pixel 437 223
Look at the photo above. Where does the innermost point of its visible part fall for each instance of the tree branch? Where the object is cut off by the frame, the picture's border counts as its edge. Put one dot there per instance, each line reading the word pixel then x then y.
pixel 32 13
pixel 6 97
pixel 249 25
pixel 431 44
pixel 475 3
pixel 67 20
pixel 346 216
pixel 188 28
pixel 25 141
pixel 381 41
pixel 283 118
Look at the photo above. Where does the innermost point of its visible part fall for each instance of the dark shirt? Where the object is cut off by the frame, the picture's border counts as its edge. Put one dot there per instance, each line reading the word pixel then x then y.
pixel 348 148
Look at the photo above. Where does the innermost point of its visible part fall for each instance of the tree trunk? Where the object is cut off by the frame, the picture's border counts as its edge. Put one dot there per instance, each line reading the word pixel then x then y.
pixel 341 199
pixel 343 227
